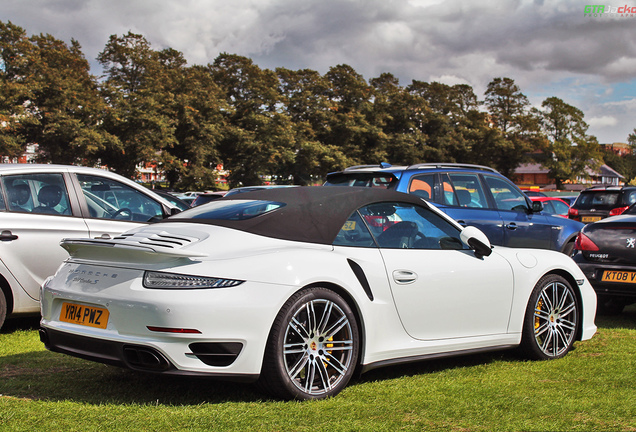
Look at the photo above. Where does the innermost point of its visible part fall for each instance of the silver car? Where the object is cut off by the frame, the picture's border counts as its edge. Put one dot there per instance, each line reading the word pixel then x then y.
pixel 42 204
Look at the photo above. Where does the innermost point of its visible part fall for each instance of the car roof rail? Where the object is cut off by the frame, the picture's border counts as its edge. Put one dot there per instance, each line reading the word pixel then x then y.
pixel 381 165
pixel 451 165
pixel 601 187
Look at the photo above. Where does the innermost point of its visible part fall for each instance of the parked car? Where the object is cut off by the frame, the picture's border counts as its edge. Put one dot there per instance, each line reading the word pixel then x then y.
pixel 305 291
pixel 533 193
pixel 42 204
pixel 244 189
pixel 606 252
pixel 598 202
pixel 473 195
pixel 181 204
pixel 553 205
pixel 206 197
pixel 569 199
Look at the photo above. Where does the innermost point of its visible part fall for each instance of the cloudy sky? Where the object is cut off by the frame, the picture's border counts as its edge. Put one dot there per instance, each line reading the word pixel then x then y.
pixel 549 47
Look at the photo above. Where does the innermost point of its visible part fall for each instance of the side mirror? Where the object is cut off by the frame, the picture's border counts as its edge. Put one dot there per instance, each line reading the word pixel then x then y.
pixel 477 241
pixel 537 206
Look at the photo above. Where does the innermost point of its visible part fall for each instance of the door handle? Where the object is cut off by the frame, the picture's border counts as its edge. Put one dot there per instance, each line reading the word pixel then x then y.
pixel 403 277
pixel 462 223
pixel 511 226
pixel 7 235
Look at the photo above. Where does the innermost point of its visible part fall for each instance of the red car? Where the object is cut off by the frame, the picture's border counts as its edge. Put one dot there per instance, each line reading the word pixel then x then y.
pixel 553 205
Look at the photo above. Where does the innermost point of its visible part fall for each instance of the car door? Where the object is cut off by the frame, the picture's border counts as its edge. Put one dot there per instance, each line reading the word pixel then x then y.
pixel 111 207
pixel 465 201
pixel 39 213
pixel 521 227
pixel 440 288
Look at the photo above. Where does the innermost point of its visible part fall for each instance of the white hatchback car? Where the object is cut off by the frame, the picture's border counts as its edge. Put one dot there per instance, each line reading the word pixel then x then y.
pixel 42 204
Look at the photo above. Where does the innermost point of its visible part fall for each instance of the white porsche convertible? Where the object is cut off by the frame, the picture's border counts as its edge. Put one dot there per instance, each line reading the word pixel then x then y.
pixel 300 287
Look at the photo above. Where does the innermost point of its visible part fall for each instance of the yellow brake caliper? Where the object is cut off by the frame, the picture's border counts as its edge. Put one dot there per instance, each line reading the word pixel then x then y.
pixel 537 321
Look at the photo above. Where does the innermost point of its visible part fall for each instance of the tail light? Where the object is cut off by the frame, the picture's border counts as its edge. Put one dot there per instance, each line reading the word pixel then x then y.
pixel 618 210
pixel 584 243
pixel 573 213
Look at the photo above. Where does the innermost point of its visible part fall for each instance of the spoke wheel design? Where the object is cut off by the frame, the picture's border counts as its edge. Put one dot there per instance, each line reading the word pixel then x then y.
pixel 551 319
pixel 313 347
pixel 318 347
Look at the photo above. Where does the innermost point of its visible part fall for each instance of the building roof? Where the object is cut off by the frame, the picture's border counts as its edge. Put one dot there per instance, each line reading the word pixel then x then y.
pixel 536 168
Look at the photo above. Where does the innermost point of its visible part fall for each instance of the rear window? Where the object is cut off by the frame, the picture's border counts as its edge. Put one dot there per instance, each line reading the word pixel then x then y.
pixel 606 200
pixel 381 180
pixel 233 210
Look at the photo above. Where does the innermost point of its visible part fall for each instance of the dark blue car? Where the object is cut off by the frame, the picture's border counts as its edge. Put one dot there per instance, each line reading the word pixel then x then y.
pixel 472 195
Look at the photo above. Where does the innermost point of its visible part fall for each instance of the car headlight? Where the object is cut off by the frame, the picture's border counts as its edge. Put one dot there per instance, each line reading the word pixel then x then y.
pixel 159 280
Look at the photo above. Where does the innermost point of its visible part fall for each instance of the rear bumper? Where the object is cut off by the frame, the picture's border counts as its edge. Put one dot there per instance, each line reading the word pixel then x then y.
pixel 594 272
pixel 133 356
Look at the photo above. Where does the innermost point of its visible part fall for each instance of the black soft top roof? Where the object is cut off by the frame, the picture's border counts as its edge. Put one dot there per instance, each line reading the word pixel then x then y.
pixel 311 214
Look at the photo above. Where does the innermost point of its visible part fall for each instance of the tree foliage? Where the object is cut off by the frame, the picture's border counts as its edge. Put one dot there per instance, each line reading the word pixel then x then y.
pixel 569 151
pixel 292 126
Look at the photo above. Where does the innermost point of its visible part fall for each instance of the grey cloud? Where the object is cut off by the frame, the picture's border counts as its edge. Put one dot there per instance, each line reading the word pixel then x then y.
pixel 539 43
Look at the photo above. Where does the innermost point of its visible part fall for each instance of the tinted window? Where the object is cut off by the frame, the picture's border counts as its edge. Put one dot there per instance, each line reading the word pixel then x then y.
pixel 386 181
pixel 597 199
pixel 423 186
pixel 507 197
pixel 231 210
pixel 548 207
pixel 468 190
pixel 560 208
pixel 448 193
pixel 110 199
pixel 630 198
pixel 37 193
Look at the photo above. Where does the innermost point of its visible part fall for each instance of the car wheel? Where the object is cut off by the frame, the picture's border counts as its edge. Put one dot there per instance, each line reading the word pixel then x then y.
pixel 552 319
pixel 313 347
pixel 3 308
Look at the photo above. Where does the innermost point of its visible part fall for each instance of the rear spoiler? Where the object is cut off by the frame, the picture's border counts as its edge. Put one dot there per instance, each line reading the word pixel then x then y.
pixel 120 251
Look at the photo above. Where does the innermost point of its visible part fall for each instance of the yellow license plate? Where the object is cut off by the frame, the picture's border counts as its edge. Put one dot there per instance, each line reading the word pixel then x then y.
pixel 84 315
pixel 618 276
pixel 587 219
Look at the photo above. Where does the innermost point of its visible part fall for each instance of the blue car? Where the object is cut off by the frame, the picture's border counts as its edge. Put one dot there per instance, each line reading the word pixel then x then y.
pixel 472 195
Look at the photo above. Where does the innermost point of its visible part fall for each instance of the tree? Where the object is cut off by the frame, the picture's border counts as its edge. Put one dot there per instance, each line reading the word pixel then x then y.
pixel 569 151
pixel 401 115
pixel 350 123
pixel 139 102
pixel 49 97
pixel 65 105
pixel 15 92
pixel 450 122
pixel 631 140
pixel 199 110
pixel 259 139
pixel 509 112
pixel 304 100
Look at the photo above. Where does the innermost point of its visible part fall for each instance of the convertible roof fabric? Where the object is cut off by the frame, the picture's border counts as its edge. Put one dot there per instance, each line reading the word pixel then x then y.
pixel 312 214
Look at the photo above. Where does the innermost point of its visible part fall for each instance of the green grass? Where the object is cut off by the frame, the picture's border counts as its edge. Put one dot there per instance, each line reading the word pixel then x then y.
pixel 591 389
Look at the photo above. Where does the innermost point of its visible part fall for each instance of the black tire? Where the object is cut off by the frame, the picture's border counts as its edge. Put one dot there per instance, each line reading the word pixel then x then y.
pixel 552 319
pixel 3 308
pixel 313 347
pixel 568 249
